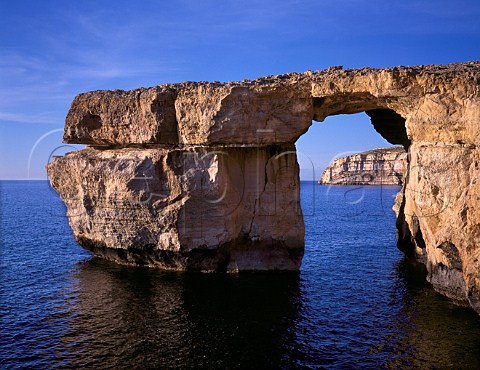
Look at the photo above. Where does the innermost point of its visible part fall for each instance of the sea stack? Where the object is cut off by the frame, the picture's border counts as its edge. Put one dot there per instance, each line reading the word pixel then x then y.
pixel 204 176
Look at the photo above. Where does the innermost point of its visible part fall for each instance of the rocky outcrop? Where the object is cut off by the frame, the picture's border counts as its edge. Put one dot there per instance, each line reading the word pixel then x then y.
pixel 382 166
pixel 204 176
pixel 209 209
pixel 438 220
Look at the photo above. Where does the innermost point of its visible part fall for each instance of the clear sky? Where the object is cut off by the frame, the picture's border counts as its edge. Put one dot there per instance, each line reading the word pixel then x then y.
pixel 53 50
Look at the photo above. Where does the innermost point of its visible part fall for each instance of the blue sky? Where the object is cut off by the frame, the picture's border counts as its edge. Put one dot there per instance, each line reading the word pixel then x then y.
pixel 53 50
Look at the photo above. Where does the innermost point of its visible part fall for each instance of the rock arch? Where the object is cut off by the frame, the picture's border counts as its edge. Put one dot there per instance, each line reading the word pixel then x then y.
pixel 204 176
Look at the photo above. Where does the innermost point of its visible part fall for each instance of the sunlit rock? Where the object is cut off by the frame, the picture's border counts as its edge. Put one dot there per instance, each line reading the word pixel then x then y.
pixel 383 166
pixel 204 175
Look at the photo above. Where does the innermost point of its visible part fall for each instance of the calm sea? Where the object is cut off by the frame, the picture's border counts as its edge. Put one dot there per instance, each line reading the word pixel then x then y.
pixel 355 304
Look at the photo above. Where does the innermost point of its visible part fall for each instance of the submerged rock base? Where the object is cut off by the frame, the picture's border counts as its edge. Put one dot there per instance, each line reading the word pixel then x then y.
pixel 204 176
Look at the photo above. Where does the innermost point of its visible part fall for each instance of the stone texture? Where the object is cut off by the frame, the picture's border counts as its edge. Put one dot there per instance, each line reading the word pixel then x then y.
pixel 209 209
pixel 123 117
pixel 439 217
pixel 164 140
pixel 438 103
pixel 382 166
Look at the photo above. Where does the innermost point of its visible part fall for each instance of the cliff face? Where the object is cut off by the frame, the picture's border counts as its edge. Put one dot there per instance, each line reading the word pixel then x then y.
pixel 208 209
pixel 204 175
pixel 383 166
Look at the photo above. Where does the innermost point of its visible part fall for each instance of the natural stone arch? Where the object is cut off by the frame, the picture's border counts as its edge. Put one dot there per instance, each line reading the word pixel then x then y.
pixel 161 135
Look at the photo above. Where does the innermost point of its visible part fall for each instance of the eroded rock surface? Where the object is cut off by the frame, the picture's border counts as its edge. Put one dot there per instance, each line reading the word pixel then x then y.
pixel 209 209
pixel 382 166
pixel 439 217
pixel 204 176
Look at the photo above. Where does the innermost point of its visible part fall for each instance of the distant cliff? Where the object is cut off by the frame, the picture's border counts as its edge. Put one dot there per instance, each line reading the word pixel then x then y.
pixel 383 166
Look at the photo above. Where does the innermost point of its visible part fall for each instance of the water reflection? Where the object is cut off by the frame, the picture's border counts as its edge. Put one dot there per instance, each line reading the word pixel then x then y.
pixel 126 317
pixel 429 331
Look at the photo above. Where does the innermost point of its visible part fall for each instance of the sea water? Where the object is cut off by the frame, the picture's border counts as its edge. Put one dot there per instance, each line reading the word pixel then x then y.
pixel 356 302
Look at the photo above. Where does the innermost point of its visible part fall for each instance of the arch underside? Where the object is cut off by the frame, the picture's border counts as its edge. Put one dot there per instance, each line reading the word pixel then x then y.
pixel 388 123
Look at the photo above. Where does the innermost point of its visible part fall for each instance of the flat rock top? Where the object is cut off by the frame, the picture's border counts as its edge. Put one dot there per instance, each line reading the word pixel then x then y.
pixel 445 70
pixel 265 111
pixel 380 151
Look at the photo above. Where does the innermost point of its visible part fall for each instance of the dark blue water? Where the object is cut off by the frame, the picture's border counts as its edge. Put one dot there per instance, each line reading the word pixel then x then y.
pixel 355 304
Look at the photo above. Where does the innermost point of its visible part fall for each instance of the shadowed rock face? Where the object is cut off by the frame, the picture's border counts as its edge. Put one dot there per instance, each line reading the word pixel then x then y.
pixel 204 176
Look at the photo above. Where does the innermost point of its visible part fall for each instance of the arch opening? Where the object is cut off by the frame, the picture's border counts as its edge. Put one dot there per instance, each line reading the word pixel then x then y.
pixel 385 121
pixel 388 122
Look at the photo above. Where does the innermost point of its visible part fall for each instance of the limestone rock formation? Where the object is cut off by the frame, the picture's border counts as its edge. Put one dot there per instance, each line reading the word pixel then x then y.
pixel 438 220
pixel 204 175
pixel 209 209
pixel 382 166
